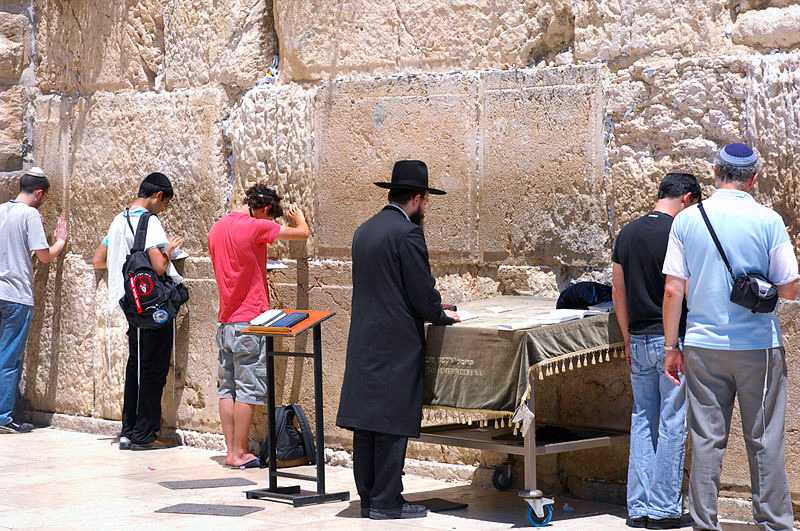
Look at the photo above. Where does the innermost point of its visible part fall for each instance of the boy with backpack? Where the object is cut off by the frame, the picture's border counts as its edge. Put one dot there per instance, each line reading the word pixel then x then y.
pixel 237 244
pixel 149 347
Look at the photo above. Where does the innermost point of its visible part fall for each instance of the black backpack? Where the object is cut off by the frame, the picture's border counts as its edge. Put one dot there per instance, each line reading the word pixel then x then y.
pixel 295 442
pixel 145 292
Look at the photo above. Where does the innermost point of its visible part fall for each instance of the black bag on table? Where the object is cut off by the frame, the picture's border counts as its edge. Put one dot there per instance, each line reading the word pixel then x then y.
pixel 295 441
pixel 753 291
pixel 581 295
pixel 150 301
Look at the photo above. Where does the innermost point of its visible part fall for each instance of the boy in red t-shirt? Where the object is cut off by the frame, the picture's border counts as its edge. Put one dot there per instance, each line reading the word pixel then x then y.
pixel 238 247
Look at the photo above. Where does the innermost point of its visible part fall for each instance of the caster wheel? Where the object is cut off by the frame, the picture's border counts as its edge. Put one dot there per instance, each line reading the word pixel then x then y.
pixel 540 522
pixel 502 479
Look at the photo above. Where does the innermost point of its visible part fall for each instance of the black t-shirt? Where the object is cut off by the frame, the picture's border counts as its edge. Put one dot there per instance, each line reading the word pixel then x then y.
pixel 640 250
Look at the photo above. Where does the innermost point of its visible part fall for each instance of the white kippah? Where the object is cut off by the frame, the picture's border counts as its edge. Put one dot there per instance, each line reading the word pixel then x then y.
pixel 35 171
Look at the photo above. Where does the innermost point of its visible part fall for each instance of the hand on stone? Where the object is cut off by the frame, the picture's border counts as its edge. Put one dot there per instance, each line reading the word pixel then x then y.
pixel 61 229
pixel 672 363
pixel 294 214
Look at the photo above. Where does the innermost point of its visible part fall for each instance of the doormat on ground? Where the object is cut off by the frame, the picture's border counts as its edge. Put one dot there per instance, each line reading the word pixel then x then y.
pixel 210 509
pixel 207 483
pixel 439 505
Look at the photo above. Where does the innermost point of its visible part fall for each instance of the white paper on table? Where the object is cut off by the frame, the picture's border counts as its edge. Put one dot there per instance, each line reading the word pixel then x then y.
pixel 553 317
pixel 498 309
pixel 464 315
pixel 275 264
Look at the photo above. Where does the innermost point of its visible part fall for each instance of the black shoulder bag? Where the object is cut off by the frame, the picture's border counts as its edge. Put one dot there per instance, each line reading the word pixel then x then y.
pixel 295 441
pixel 150 301
pixel 754 291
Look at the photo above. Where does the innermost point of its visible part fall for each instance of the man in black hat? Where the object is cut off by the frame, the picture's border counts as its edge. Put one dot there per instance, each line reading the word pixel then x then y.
pixel 393 295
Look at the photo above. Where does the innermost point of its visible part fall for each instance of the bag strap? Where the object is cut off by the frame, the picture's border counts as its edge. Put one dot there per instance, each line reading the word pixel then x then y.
pixel 141 232
pixel 305 431
pixel 280 425
pixel 716 240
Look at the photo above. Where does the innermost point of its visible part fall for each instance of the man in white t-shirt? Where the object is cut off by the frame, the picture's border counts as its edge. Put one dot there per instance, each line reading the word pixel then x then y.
pixel 149 349
pixel 730 351
pixel 21 232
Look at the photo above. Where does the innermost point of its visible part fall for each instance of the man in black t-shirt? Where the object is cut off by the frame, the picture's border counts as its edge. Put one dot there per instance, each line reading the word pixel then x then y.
pixel 658 432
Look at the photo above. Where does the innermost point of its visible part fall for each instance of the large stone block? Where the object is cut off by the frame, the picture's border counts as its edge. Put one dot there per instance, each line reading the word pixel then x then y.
pixel 768 28
pixel 319 41
pixel 623 32
pixel 542 195
pixel 59 359
pixel 271 136
pixel 119 138
pixel 90 45
pixel 15 34
pixel 366 125
pixel 665 116
pixel 773 128
pixel 13 105
pixel 231 42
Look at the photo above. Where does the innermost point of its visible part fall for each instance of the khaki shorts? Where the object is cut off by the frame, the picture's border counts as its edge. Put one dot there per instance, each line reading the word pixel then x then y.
pixel 242 369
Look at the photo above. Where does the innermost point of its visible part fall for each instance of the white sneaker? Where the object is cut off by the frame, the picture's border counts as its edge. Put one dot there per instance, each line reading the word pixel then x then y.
pixel 124 443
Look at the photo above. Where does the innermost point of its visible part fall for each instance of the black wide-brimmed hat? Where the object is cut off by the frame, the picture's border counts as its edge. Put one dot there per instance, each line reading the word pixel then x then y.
pixel 410 175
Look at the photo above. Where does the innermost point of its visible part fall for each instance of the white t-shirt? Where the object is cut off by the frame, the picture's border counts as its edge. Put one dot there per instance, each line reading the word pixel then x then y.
pixel 21 231
pixel 119 242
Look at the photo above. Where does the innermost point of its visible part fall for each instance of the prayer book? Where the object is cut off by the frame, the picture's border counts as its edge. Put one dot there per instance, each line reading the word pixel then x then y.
pixel 268 317
pixel 464 315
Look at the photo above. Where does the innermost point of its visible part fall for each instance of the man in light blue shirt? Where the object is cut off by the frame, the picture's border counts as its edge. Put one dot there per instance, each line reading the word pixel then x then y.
pixel 730 350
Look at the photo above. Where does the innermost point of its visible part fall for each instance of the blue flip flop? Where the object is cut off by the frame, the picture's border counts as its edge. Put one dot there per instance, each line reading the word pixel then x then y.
pixel 253 463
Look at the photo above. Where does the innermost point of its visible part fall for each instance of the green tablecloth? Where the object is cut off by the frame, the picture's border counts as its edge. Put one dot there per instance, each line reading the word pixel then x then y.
pixel 474 367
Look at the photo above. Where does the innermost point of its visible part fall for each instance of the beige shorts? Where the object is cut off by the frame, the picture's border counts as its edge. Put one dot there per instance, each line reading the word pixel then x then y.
pixel 242 365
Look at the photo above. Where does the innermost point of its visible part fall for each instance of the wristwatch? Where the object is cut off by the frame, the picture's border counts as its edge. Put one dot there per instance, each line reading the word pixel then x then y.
pixel 674 346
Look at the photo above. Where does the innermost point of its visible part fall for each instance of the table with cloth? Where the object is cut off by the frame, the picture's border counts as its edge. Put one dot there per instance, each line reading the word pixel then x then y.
pixel 477 373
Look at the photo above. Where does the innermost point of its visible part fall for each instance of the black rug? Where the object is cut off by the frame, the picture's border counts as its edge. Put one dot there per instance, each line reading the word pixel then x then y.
pixel 210 509
pixel 207 483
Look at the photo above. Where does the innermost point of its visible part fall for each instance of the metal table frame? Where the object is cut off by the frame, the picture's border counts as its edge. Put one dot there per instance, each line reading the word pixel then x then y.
pixel 293 493
pixel 485 439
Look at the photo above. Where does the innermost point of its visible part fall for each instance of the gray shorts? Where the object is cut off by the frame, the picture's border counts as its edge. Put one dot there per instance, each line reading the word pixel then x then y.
pixel 242 369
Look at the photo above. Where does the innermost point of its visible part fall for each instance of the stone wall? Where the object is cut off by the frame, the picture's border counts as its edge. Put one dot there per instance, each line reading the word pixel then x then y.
pixel 549 122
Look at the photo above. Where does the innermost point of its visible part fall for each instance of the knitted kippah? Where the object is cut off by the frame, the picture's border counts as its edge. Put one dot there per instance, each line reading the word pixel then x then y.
pixel 738 155
pixel 158 179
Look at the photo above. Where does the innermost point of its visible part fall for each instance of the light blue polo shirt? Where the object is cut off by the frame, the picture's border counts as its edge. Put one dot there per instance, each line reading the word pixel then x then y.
pixel 755 240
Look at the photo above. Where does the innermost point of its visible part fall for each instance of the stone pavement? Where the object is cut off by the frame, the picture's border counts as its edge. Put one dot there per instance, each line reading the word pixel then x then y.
pixel 68 480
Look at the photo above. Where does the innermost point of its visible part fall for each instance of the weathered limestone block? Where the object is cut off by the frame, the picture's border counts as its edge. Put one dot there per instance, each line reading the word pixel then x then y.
pixel 773 128
pixel 93 45
pixel 365 125
pixel 528 281
pixel 383 37
pixel 623 32
pixel 194 404
pixel 271 135
pixel 110 355
pixel 464 287
pixel 15 32
pixel 120 138
pixel 231 42
pixel 541 183
pixel 768 28
pixel 59 360
pixel 666 116
pixel 13 104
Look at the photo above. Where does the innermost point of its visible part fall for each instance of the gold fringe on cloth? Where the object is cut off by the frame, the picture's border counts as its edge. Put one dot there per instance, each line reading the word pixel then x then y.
pixel 432 415
pixel 582 358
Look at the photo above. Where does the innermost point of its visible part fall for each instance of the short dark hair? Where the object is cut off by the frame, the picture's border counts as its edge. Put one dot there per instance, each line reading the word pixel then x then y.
pixel 149 189
pixel 676 183
pixel 730 173
pixel 260 196
pixel 30 183
pixel 401 197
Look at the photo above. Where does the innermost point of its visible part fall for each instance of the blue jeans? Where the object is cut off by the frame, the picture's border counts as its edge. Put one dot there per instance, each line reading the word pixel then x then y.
pixel 658 434
pixel 15 321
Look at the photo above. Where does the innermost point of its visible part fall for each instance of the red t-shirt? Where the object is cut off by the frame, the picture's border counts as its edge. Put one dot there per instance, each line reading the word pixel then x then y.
pixel 238 247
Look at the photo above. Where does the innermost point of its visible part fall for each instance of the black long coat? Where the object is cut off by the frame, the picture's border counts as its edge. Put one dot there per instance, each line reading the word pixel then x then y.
pixel 393 295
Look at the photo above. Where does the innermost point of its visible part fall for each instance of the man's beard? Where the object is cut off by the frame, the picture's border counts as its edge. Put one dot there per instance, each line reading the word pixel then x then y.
pixel 418 217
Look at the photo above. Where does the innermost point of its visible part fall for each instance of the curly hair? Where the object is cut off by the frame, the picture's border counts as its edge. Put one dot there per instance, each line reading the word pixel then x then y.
pixel 260 195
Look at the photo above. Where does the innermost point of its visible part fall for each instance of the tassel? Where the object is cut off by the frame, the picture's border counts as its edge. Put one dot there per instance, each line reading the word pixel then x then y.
pixel 607 358
pixel 540 375
pixel 570 365
pixel 594 362
pixel 579 362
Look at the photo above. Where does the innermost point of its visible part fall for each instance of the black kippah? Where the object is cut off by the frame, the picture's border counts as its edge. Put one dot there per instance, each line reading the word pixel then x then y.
pixel 158 179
